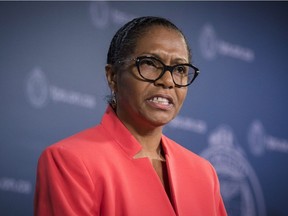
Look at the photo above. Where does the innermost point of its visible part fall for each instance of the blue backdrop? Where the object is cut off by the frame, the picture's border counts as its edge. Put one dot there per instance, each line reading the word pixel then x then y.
pixel 52 84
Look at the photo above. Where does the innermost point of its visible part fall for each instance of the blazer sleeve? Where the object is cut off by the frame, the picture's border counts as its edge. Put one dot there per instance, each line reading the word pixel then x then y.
pixel 220 207
pixel 63 185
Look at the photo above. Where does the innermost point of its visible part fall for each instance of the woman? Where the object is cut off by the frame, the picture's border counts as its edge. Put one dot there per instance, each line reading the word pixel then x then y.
pixel 125 165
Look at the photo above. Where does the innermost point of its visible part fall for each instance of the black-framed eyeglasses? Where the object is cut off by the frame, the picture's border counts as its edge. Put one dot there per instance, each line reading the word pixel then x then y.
pixel 152 69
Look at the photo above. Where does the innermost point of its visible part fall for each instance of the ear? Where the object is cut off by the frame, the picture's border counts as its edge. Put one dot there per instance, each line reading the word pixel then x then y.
pixel 111 77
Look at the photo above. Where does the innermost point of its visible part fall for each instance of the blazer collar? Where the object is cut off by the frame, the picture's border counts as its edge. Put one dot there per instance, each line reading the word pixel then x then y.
pixel 120 133
pixel 123 137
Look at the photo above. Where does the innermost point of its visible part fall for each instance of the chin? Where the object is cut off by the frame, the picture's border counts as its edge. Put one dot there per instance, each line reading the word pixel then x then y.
pixel 160 122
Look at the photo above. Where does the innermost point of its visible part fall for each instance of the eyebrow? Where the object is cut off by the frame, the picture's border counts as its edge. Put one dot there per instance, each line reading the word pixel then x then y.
pixel 175 61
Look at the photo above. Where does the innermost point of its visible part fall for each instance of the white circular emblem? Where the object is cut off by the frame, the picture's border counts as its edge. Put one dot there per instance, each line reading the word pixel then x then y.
pixel 256 138
pixel 240 187
pixel 99 12
pixel 208 42
pixel 37 88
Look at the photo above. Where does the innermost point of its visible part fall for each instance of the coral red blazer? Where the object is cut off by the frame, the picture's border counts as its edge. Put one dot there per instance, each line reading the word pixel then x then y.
pixel 94 173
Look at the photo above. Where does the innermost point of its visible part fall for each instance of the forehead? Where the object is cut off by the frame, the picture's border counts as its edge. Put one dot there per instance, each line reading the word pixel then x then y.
pixel 163 41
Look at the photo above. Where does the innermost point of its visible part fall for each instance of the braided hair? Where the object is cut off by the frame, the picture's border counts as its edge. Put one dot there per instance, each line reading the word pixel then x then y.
pixel 125 39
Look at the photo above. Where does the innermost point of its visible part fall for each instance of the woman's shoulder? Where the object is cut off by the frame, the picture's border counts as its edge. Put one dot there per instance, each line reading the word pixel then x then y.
pixel 81 143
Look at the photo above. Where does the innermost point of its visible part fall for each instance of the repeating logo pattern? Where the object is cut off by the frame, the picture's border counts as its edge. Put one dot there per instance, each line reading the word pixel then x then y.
pixel 260 142
pixel 211 46
pixel 37 88
pixel 39 92
pixel 103 15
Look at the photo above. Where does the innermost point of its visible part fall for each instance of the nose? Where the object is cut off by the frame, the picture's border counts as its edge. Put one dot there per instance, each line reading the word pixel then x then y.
pixel 166 80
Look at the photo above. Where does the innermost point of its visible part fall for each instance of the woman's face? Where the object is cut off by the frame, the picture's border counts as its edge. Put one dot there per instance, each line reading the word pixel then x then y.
pixel 142 104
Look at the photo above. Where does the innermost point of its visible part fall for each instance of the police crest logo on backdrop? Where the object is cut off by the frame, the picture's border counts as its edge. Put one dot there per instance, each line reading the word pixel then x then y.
pixel 240 186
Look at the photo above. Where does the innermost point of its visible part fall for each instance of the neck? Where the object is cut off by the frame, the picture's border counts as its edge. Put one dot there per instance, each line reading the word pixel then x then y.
pixel 151 146
pixel 148 135
pixel 149 139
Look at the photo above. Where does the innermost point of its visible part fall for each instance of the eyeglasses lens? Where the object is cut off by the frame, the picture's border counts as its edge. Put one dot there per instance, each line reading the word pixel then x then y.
pixel 151 69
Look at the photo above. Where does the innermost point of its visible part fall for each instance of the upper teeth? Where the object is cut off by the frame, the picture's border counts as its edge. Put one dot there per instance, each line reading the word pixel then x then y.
pixel 160 100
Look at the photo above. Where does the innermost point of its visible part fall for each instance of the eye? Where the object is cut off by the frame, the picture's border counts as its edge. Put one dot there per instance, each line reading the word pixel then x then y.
pixel 147 62
pixel 181 70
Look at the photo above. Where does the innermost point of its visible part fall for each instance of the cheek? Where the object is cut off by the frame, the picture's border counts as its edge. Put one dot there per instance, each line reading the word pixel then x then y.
pixel 181 95
pixel 129 88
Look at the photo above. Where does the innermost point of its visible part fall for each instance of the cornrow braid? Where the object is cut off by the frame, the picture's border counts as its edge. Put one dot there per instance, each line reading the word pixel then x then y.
pixel 118 41
pixel 125 39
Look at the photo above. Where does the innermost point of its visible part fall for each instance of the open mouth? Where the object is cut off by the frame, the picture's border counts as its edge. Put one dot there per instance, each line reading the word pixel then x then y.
pixel 160 100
